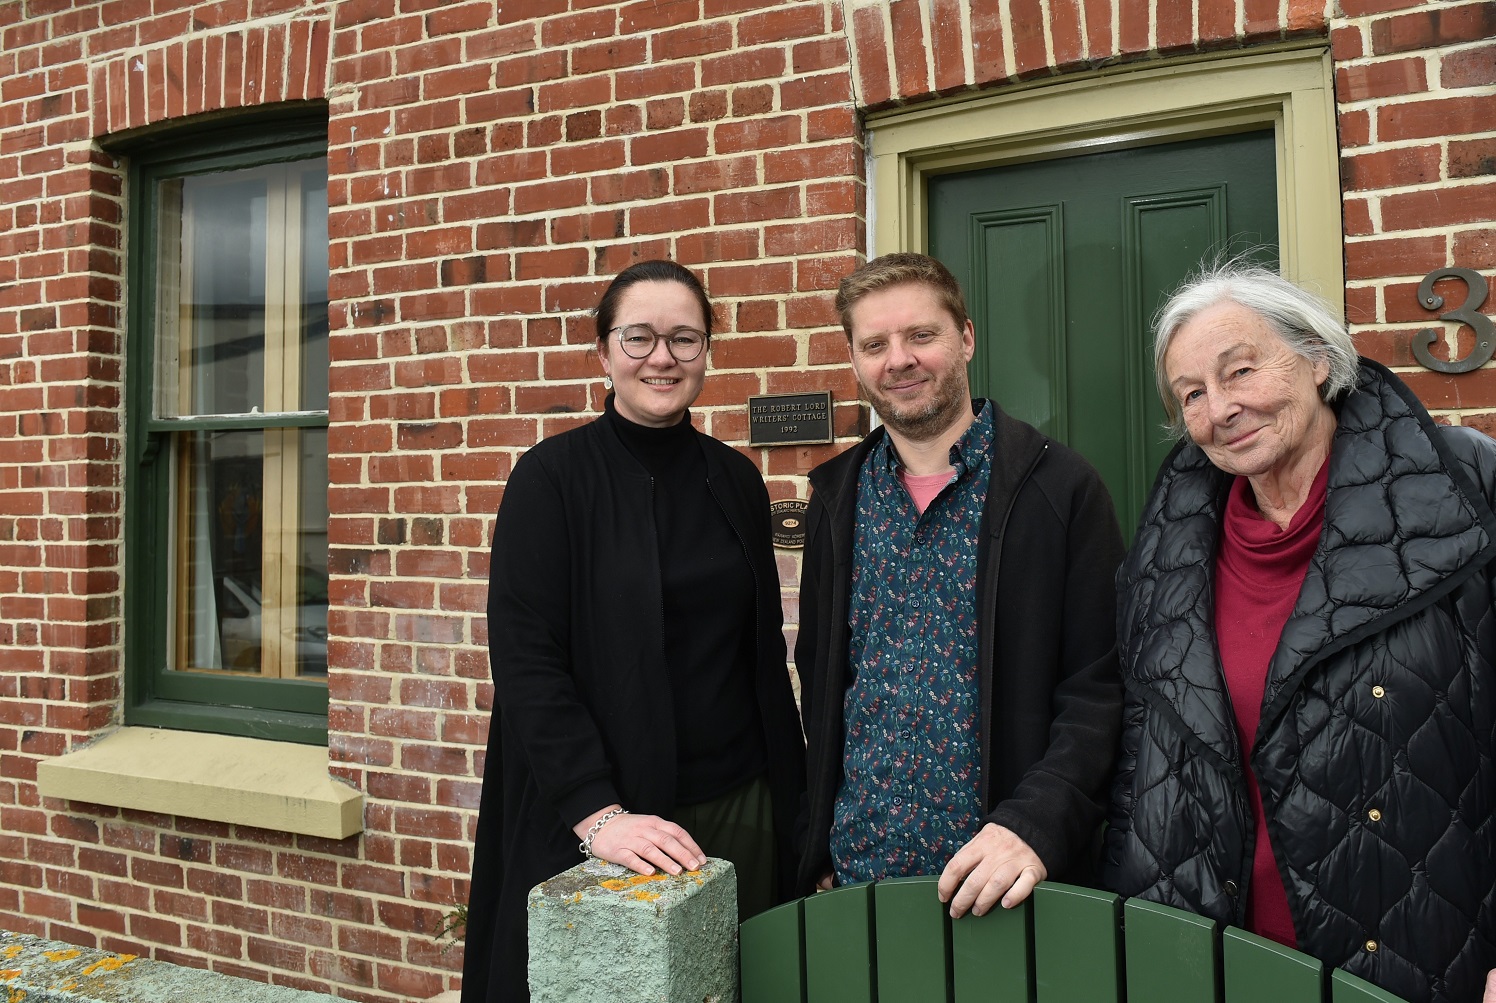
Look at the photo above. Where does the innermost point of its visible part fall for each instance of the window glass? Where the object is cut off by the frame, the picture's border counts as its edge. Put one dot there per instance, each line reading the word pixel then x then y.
pixel 246 334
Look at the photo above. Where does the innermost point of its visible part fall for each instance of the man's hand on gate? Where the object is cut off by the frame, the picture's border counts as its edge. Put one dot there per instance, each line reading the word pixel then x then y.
pixel 995 865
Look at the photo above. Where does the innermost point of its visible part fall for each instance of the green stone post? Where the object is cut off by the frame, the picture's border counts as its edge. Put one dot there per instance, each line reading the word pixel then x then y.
pixel 601 932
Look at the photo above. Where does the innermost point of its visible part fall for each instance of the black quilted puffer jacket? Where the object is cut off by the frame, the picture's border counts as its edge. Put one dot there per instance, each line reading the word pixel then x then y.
pixel 1375 752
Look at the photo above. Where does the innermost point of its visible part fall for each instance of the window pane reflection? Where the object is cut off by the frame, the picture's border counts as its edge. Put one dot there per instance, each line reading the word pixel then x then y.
pixel 252 590
pixel 220 519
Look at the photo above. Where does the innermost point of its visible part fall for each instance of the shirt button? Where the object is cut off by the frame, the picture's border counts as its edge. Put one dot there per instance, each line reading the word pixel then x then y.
pixel 1376 816
pixel 897 802
pixel 1371 947
pixel 1231 888
pixel 1378 692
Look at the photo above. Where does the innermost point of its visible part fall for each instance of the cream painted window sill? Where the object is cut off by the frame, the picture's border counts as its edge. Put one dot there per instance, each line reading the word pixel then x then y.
pixel 280 786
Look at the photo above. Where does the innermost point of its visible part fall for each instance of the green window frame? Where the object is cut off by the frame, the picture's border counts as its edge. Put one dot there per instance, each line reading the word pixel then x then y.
pixel 226 430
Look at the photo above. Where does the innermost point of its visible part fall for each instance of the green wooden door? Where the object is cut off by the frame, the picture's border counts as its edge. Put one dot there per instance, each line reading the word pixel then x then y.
pixel 1065 261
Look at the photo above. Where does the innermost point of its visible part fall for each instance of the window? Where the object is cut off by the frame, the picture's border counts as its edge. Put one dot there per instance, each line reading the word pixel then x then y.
pixel 226 560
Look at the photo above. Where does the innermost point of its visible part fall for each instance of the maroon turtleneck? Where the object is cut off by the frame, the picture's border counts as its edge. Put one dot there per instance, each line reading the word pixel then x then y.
pixel 1259 572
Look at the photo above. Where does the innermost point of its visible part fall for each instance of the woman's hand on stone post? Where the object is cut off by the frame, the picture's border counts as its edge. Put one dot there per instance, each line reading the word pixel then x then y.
pixel 642 843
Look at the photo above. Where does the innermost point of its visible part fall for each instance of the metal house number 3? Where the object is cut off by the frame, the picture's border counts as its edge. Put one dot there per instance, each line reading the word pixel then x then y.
pixel 1468 313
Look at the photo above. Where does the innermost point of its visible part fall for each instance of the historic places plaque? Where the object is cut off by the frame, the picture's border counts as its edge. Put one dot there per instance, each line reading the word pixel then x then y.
pixel 787 522
pixel 785 419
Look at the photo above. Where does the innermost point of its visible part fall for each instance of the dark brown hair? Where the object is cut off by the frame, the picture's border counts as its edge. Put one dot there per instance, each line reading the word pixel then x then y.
pixel 649 271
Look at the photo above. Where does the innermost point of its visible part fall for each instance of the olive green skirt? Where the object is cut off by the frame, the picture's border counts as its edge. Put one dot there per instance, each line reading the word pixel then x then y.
pixel 739 826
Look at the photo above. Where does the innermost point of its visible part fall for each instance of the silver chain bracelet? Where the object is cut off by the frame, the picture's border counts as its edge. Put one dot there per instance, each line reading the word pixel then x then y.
pixel 585 846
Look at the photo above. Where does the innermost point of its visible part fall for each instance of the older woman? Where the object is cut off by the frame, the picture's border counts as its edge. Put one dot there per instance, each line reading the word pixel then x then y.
pixel 645 715
pixel 1307 638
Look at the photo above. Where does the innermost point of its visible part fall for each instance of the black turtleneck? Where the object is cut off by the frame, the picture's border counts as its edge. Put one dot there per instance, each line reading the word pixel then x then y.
pixel 708 615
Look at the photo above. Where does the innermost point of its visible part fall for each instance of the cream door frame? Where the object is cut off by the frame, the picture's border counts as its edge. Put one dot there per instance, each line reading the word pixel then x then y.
pixel 1290 88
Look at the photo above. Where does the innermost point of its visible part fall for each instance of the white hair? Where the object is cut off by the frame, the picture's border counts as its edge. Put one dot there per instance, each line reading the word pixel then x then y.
pixel 1305 322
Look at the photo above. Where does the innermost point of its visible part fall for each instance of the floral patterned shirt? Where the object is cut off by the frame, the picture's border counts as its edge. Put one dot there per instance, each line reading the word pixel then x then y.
pixel 909 796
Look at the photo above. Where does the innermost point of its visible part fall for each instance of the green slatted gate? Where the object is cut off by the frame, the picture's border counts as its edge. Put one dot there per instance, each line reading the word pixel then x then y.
pixel 891 942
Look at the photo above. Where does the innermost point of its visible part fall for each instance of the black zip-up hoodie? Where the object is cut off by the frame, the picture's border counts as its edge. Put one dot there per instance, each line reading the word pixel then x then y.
pixel 1047 661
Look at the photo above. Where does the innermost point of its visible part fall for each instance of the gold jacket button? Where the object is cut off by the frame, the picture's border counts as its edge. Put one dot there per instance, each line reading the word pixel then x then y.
pixel 1378 692
pixel 1371 947
pixel 1376 816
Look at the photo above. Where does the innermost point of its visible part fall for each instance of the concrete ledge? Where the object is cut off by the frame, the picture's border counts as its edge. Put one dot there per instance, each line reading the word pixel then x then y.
pixel 45 971
pixel 599 932
pixel 221 778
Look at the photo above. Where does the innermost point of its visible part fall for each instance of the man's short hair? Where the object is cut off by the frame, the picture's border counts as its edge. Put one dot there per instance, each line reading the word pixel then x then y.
pixel 897 269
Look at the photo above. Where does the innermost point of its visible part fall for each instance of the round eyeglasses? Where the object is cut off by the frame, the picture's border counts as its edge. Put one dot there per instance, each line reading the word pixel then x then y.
pixel 638 341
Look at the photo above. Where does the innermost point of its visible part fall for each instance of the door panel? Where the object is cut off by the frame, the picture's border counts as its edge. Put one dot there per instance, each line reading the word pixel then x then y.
pixel 1022 253
pixel 1064 263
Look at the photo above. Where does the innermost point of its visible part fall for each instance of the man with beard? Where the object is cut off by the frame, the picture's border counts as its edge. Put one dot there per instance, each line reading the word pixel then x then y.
pixel 956 652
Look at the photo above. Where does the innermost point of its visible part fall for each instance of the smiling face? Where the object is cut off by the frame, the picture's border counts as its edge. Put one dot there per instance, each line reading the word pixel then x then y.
pixel 657 389
pixel 910 357
pixel 1247 399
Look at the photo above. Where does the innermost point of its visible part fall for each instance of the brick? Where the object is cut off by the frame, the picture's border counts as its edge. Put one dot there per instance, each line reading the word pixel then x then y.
pixel 1440 207
pixel 875 81
pixel 824 54
pixel 763 134
pixel 776 27
pixel 1395 168
pixel 715 175
pixel 652 15
pixel 1434 26
pixel 654 81
pixel 668 147
pixel 1439 117
pixel 1469 68
pixel 1371 259
pixel 1132 27
pixel 1381 79
pixel 1476 248
pixel 1262 19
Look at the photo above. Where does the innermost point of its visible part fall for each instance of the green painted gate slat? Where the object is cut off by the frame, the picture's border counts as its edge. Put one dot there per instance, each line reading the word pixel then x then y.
pixel 1077 953
pixel 1065 945
pixel 1347 988
pixel 839 946
pixel 1172 956
pixel 774 942
pixel 914 941
pixel 993 956
pixel 1259 970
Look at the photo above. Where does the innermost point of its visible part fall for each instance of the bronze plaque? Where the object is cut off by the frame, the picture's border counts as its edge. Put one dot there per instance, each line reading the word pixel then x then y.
pixel 782 419
pixel 787 522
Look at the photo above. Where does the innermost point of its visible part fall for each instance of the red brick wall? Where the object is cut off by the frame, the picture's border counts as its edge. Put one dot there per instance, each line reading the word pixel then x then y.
pixel 491 164
pixel 1416 84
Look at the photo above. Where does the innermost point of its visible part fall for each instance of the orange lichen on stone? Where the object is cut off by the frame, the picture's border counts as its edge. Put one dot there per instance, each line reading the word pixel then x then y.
pixel 109 964
pixel 68 955
pixel 643 895
pixel 9 973
pixel 623 884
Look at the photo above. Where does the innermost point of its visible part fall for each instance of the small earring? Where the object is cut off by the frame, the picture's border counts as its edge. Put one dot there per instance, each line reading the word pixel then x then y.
pixel 607 383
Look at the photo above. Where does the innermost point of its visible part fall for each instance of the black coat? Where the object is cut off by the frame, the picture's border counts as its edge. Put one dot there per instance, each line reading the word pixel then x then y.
pixel 1050 698
pixel 584 717
pixel 1381 697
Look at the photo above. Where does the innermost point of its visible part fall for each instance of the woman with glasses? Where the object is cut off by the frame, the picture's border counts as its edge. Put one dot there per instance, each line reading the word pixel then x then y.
pixel 644 711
